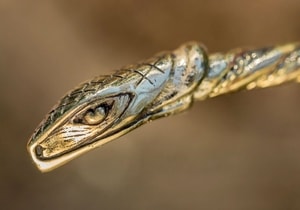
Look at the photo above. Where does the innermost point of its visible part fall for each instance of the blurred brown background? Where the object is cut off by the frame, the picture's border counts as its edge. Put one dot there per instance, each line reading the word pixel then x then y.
pixel 234 152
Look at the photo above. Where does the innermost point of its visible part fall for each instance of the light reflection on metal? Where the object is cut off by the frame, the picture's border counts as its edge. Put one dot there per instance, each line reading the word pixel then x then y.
pixel 107 107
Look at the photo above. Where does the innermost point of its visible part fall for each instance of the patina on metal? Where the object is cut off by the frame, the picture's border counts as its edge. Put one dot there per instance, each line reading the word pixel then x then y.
pixel 107 107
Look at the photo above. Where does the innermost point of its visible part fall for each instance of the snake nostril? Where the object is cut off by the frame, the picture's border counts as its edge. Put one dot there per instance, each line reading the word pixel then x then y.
pixel 39 150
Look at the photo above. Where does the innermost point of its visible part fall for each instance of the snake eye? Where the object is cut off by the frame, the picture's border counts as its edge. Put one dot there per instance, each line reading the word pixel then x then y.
pixel 95 115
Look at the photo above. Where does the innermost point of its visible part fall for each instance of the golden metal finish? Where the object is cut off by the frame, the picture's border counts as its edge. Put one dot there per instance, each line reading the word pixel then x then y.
pixel 107 107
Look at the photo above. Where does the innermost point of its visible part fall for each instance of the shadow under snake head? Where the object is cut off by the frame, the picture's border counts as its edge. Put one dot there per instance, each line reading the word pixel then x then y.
pixel 107 107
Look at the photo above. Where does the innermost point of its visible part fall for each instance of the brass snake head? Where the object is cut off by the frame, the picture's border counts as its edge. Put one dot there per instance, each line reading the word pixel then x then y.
pixel 107 107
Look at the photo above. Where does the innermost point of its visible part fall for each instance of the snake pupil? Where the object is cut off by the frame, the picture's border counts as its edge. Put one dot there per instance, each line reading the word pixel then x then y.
pixel 95 116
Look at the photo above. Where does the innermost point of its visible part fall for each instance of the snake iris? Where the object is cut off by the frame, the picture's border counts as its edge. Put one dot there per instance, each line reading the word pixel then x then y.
pixel 107 107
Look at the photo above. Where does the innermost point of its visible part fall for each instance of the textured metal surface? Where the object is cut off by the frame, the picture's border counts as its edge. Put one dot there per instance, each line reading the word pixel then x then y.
pixel 163 85
pixel 249 69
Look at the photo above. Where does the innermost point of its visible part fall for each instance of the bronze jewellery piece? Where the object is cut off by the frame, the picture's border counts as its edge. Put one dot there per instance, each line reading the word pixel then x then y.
pixel 107 107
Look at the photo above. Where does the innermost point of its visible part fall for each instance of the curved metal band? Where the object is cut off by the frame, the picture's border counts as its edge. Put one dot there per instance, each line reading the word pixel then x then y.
pixel 250 69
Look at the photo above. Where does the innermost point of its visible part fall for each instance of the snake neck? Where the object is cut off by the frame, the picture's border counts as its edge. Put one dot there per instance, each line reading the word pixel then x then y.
pixel 250 69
